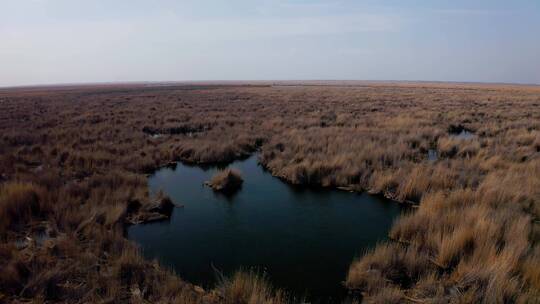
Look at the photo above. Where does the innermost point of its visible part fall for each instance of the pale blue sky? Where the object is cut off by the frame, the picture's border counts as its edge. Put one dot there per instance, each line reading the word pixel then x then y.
pixel 67 41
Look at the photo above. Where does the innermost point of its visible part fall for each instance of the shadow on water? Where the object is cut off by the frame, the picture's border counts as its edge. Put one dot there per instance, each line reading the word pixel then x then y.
pixel 303 238
pixel 228 196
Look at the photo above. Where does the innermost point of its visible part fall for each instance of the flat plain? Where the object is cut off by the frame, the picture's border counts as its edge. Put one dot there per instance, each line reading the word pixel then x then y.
pixel 74 162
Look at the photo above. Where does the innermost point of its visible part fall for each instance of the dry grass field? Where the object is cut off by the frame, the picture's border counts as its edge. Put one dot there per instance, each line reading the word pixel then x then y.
pixel 74 160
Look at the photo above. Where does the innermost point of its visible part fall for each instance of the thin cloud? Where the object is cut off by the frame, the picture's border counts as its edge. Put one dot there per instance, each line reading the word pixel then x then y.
pixel 474 12
pixel 247 28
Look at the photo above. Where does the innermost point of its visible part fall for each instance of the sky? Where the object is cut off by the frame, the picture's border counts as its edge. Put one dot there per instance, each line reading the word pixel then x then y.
pixel 80 41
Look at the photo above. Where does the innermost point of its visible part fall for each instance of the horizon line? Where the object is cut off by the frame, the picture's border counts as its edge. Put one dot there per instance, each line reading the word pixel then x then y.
pixel 258 81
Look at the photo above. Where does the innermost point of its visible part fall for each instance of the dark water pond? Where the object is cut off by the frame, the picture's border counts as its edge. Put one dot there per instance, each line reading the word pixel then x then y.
pixel 303 239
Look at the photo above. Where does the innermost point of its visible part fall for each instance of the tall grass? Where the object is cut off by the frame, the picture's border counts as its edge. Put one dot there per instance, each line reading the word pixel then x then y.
pixel 227 180
pixel 19 203
pixel 249 287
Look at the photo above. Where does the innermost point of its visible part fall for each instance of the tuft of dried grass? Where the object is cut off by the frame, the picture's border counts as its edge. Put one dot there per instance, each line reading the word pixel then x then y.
pixel 20 203
pixel 228 180
pixel 250 288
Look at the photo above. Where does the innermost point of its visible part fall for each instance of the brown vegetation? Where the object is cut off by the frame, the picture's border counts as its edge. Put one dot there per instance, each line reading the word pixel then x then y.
pixel 73 164
pixel 251 288
pixel 227 181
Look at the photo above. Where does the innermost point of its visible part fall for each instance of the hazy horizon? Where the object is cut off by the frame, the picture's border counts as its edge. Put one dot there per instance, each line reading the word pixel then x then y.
pixel 274 82
pixel 74 42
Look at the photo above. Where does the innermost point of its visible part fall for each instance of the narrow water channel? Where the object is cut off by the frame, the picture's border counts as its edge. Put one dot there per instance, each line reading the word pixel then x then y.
pixel 303 239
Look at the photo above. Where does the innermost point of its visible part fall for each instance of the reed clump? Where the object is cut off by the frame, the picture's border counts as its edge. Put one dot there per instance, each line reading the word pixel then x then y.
pixel 227 181
pixel 249 287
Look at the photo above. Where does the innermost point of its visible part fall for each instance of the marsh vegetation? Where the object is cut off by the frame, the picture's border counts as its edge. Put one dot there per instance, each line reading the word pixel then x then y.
pixel 74 160
pixel 227 181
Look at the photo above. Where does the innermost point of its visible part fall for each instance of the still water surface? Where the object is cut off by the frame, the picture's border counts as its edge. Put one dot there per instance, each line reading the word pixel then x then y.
pixel 304 239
